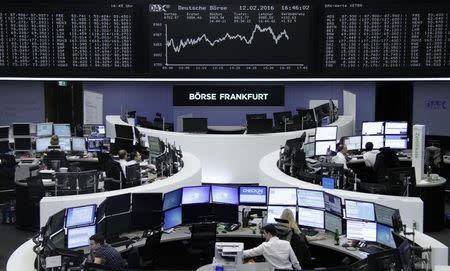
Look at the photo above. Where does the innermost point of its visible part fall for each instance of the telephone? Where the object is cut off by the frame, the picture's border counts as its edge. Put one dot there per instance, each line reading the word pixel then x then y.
pixel 361 244
pixel 232 226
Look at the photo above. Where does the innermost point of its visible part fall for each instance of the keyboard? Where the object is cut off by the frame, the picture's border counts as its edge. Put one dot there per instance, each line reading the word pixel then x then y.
pixel 308 232
pixel 311 161
pixel 371 249
pixel 28 161
pixel 121 241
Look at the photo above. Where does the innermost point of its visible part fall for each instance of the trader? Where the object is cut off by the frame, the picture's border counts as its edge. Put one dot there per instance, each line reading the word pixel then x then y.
pixel 277 253
pixel 102 253
pixel 371 155
pixel 340 157
pixel 123 160
pixel 137 158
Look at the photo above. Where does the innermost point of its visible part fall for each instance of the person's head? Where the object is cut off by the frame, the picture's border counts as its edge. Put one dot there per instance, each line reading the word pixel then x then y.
pixel 136 156
pixel 369 146
pixel 96 240
pixel 342 148
pixel 123 154
pixel 269 231
pixel 289 216
pixel 54 140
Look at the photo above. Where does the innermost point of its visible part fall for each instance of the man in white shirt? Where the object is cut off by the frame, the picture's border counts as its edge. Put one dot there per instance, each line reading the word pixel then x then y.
pixel 277 253
pixel 340 158
pixel 371 155
pixel 123 160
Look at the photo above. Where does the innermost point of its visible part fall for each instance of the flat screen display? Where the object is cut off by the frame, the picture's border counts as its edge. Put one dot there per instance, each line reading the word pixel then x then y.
pixel 377 141
pixel 333 204
pixel 353 143
pixel 333 222
pixel 225 194
pixel 282 196
pixel 196 194
pixel 79 237
pixel 326 133
pixel 62 129
pixel 44 129
pixel 310 198
pixel 360 210
pixel 78 144
pixel 396 128
pixel 253 195
pixel 172 199
pixel 276 211
pixel 79 216
pixel 325 147
pixel 311 218
pixel 361 230
pixel 372 128
pixel 384 236
pixel 172 218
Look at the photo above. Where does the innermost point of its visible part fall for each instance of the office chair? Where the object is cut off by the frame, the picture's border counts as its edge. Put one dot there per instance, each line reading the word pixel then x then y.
pixel 202 242
pixel 53 156
pixel 151 251
pixel 36 191
pixel 7 177
pixel 386 159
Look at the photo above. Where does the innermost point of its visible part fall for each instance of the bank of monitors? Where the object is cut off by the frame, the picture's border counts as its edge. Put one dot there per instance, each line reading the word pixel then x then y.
pixel 309 149
pixel 172 218
pixel 282 196
pixel 395 128
pixel 195 125
pixel 333 204
pixel 94 144
pixel 225 194
pixel 172 199
pixel 124 131
pixel 398 142
pixel 80 216
pixel 333 222
pixel 78 144
pixel 311 218
pixel 94 130
pixel 372 128
pixel 377 140
pixel 259 126
pixel 117 204
pixel 384 214
pixel 196 194
pixel 276 211
pixel 360 210
pixel 325 147
pixel 4 132
pixel 62 129
pixel 22 144
pixel 64 144
pixel 384 236
pixel 44 129
pixel 310 198
pixel 326 133
pixel 21 129
pixel 361 230
pixel 79 237
pixel 42 144
pixel 253 195
pixel 353 143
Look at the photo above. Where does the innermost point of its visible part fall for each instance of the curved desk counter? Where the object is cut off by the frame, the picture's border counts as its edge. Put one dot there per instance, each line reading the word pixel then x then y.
pixel 229 158
pixel 189 175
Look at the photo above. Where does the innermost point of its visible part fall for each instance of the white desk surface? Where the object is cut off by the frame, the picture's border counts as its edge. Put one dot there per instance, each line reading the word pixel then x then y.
pixel 222 128
pixel 243 267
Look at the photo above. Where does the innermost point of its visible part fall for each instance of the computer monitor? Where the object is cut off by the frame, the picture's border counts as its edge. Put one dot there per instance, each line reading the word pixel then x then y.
pixel 324 147
pixel 22 143
pixel 4 146
pixel 372 128
pixel 307 117
pixel 117 224
pixel 309 149
pixel 353 143
pixel 328 182
pixel 225 194
pixel 360 210
pixel 276 211
pixel 172 218
pixel 4 132
pixel 44 129
pixel 21 129
pixel 259 126
pixel 62 129
pixel 42 144
pixel 377 141
pixel 255 116
pixel 124 131
pixel 196 194
pixel 397 142
pixel 279 118
pixel 78 144
pixel 195 125
pixel 361 230
pixel 311 218
pixel 154 145
pixel 405 252
pixel 94 130
pixel 333 223
pixel 310 198
pixel 146 220
pixel 395 128
pixel 385 260
pixel 282 196
pixel 79 237
pixel 253 195
pixel 133 173
pixel 325 121
pixel 59 239
pixel 333 204
pixel 384 236
pixel 172 199
pixel 94 144
pixel 194 213
pixel 117 204
pixel 147 202
pixel 64 144
pixel 383 214
pixel 56 222
pixel 80 216
pixel 322 111
pixel 326 133
pixel 225 213
pixel 402 175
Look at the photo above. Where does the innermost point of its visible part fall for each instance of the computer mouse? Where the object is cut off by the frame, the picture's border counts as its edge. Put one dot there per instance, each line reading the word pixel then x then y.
pixel 224 231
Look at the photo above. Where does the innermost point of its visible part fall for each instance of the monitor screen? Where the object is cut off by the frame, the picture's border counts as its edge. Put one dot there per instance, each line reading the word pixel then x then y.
pixel 79 216
pixel 360 210
pixel 124 131
pixel 21 129
pixel 256 116
pixel 398 142
pixel 333 204
pixel 56 222
pixel 253 195
pixel 309 149
pixel 117 204
pixel 384 214
pixel 325 147
pixel 172 218
pixel 360 230
pixel 276 211
pixel 146 202
pixel 279 118
pixel 62 129
pixel 324 121
pixel 117 224
pixel 395 128
pixel 195 194
pixel 326 133
pixel 4 132
pixel 42 144
pixel 282 196
pixel 225 194
pixel 64 144
pixel 310 198
pixel 259 126
pixel 353 143
pixel 44 129
pixel 333 222
pixel 195 125
pixel 79 237
pixel 78 144
pixel 384 236
pixel 4 146
pixel 172 199
pixel 372 128
pixel 59 239
pixel 154 146
pixel 377 141
pixel 94 130
pixel 328 183
pixel 96 144
pixel 22 143
pixel 193 213
pixel 225 213
pixel 311 218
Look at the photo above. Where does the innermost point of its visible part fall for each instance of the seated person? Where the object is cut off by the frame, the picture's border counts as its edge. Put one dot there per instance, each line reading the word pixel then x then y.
pixel 102 253
pixel 370 155
pixel 278 253
pixel 123 160
pixel 341 155
pixel 136 156
pixel 284 229
pixel 55 154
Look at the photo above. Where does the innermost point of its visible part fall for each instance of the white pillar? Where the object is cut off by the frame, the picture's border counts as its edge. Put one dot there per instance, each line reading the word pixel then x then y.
pixel 418 150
